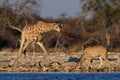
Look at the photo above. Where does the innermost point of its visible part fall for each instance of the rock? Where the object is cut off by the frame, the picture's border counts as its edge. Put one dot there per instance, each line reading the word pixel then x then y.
pixel 72 64
pixel 67 68
pixel 23 68
pixel 55 66
pixel 44 69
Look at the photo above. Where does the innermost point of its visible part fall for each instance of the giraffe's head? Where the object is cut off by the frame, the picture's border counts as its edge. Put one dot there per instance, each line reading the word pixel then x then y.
pixel 57 26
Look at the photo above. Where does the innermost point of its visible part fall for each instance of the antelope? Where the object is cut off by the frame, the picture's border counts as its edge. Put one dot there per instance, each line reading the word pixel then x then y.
pixel 91 52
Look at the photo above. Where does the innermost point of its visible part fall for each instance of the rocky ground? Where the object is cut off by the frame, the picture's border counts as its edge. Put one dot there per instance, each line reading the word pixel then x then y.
pixel 56 62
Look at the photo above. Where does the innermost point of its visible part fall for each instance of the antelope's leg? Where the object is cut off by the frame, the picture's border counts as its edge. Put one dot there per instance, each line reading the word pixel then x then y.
pixel 108 64
pixel 101 62
pixel 88 64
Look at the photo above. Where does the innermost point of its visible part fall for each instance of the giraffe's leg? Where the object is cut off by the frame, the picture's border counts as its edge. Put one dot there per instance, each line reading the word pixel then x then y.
pixel 20 50
pixel 19 55
pixel 43 48
pixel 33 52
pixel 21 44
pixel 25 47
pixel 33 49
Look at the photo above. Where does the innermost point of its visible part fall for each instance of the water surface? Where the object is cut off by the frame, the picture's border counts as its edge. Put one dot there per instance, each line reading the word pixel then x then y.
pixel 60 76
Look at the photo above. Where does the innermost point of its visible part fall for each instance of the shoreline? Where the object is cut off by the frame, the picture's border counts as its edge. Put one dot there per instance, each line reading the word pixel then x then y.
pixel 60 63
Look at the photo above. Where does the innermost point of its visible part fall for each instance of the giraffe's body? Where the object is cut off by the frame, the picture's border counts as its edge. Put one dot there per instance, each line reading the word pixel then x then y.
pixel 32 34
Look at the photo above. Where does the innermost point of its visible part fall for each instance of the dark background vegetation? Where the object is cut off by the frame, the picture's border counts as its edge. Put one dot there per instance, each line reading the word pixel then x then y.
pixel 77 31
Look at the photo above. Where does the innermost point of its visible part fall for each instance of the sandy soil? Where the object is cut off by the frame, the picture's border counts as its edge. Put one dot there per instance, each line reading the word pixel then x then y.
pixel 56 62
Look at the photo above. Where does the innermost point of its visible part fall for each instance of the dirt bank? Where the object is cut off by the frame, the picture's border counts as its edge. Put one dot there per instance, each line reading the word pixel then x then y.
pixel 56 62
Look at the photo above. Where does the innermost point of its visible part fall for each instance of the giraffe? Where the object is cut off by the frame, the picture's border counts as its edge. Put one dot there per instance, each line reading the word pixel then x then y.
pixel 32 34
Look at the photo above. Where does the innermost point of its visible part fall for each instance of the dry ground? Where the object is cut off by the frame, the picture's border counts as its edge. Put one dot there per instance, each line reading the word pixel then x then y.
pixel 56 62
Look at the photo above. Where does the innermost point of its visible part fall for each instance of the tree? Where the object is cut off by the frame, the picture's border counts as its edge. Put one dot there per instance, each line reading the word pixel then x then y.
pixel 21 11
pixel 16 14
pixel 107 9
pixel 22 6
